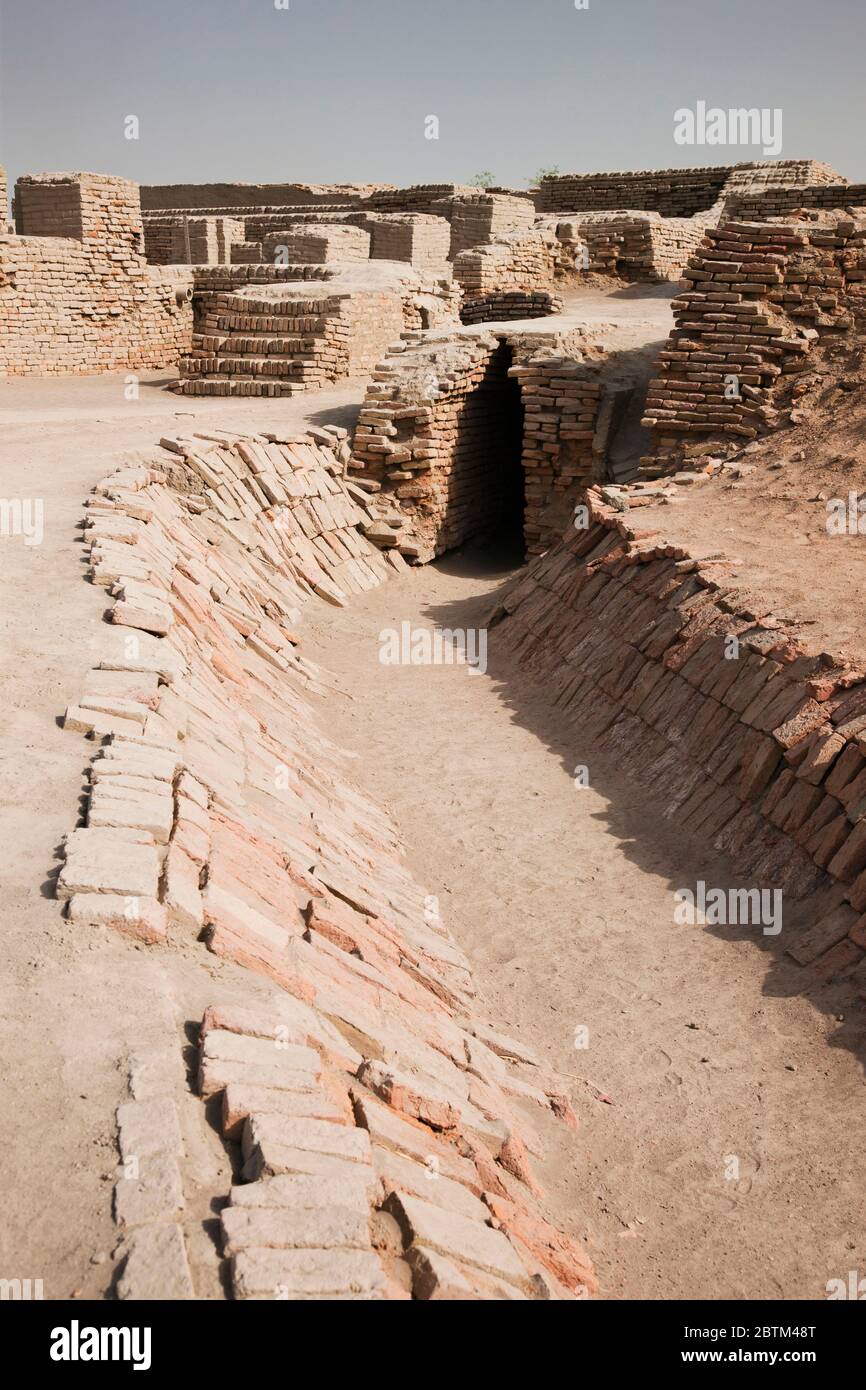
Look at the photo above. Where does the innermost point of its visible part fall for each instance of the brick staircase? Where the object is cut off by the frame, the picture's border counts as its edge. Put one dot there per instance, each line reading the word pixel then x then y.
pixel 265 347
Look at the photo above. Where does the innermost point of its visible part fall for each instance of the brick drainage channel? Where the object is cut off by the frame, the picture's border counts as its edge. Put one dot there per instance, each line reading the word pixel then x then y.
pixel 715 1120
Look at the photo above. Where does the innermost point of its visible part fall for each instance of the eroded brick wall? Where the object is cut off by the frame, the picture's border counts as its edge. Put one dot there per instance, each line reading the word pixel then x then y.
pixel 481 217
pixel 634 246
pixel 522 260
pixel 445 426
pixel 86 301
pixel 215 196
pixel 761 297
pixel 759 752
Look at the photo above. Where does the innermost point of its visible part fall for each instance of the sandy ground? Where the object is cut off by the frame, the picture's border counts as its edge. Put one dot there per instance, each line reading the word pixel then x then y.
pixel 563 899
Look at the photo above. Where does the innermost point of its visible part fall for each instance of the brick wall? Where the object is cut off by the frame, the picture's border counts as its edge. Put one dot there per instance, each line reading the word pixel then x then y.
pixel 191 240
pixel 417 238
pixel 86 302
pixel 453 435
pixel 318 244
pixel 481 217
pixel 640 246
pixel 762 755
pixel 215 196
pixel 782 202
pixel 761 297
pixel 672 192
pixel 514 261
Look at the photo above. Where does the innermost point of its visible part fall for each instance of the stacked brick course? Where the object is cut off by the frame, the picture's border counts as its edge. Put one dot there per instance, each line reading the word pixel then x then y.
pixel 510 304
pixel 782 202
pixel 760 297
pixel 192 240
pixel 4 202
pixel 76 293
pixel 354 1065
pixel 561 400
pixel 514 261
pixel 417 238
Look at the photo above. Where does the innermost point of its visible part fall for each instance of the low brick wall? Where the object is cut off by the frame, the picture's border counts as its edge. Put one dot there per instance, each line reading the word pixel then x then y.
pixel 782 202
pixel 510 304
pixel 639 246
pixel 754 747
pixel 317 244
pixel 523 260
pixel 478 218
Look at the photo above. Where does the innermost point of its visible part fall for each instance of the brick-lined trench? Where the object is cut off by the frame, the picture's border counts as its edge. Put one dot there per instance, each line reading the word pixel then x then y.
pixel 563 899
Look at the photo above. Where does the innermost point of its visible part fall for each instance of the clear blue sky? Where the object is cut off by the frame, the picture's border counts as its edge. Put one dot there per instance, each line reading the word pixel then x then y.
pixel 338 90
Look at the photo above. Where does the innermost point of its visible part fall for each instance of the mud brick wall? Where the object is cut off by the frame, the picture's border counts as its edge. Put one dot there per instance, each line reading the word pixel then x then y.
pixel 4 201
pixel 191 240
pixel 86 302
pixel 671 192
pixel 417 238
pixel 432 438
pixel 215 197
pixel 514 261
pixel 319 245
pixel 421 197
pixel 760 298
pixel 279 346
pixel 786 173
pixel 245 837
pixel 761 755
pixel 438 432
pixel 482 217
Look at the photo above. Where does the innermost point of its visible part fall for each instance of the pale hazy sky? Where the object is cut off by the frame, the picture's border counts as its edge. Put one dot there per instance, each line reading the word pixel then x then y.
pixel 338 90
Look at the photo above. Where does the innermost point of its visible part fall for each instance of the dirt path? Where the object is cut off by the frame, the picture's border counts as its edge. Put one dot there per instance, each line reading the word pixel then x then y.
pixel 563 898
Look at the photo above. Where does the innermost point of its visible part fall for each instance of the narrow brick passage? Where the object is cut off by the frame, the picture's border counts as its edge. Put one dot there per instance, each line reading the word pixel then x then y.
pixel 563 899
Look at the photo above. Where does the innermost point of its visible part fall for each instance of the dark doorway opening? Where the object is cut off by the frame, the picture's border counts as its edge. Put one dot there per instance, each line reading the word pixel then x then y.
pixel 486 487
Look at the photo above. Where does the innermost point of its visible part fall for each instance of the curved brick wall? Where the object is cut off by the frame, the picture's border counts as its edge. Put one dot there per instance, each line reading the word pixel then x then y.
pixel 761 754
pixel 382 1136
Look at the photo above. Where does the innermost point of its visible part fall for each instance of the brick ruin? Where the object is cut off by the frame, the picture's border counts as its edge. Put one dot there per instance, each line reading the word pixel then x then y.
pixel 466 435
pixel 222 814
pixel 674 192
pixel 221 819
pixel 112 268
pixel 762 298
pixel 76 293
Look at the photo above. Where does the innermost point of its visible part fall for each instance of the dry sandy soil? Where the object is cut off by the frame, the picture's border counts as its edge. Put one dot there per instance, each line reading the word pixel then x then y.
pixel 703 1046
